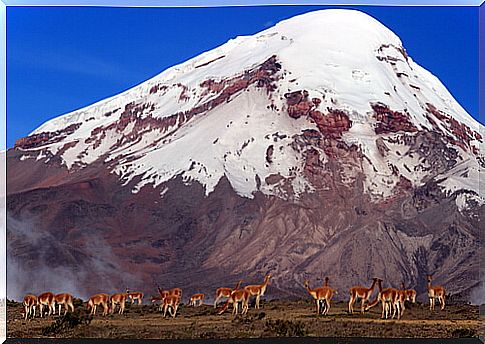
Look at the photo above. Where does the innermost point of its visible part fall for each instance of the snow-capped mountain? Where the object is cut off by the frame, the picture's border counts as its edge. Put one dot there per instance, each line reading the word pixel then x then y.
pixel 317 146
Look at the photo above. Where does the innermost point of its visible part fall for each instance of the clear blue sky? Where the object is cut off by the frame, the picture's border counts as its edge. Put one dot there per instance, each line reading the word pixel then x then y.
pixel 63 58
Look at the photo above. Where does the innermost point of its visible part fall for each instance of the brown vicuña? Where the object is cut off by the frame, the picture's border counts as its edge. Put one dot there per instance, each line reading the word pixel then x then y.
pixel 46 299
pixel 322 297
pixel 98 300
pixel 258 290
pixel 239 295
pixel 435 292
pixel 390 298
pixel 360 292
pixel 224 292
pixel 196 299
pixel 135 295
pixel 118 299
pixel 328 294
pixel 171 303
pixel 66 300
pixel 30 302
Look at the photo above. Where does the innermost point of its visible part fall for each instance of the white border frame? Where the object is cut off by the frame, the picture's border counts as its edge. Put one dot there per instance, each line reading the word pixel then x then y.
pixel 184 3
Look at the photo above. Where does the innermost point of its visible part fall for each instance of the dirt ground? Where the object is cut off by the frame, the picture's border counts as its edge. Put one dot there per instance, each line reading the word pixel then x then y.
pixel 274 319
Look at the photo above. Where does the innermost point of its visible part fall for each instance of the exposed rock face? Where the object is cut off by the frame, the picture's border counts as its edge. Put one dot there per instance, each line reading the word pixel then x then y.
pixel 331 125
pixel 236 164
pixel 37 140
pixel 462 132
pixel 389 121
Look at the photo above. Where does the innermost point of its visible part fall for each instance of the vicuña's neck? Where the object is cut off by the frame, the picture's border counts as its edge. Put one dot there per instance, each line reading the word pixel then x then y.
pixel 379 286
pixel 266 281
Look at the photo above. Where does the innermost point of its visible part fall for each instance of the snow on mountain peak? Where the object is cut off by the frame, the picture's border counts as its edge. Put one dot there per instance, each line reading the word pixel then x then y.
pixel 236 111
pixel 349 30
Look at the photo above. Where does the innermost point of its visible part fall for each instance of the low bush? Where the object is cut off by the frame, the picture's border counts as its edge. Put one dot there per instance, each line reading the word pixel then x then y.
pixel 285 328
pixel 67 322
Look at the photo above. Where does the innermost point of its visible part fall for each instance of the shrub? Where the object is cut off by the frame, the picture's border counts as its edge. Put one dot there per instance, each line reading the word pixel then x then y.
pixel 463 332
pixel 66 322
pixel 285 328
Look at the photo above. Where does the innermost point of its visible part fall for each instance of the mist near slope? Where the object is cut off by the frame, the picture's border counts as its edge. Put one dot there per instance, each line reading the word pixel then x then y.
pixel 45 272
pixel 477 296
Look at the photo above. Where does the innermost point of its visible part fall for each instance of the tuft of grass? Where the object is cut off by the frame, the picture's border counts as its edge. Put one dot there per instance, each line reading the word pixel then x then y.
pixel 285 328
pixel 67 322
pixel 464 332
pixel 208 335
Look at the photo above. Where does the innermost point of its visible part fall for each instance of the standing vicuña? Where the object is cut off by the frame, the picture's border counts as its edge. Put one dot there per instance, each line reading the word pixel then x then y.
pixel 196 299
pixel 328 294
pixel 98 300
pixel 46 299
pixel 118 299
pixel 30 302
pixel 258 290
pixel 360 292
pixel 171 302
pixel 66 300
pixel 435 292
pixel 320 295
pixel 135 295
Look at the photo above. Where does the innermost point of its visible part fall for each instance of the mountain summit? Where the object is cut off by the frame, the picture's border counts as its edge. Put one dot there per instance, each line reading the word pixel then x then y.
pixel 316 147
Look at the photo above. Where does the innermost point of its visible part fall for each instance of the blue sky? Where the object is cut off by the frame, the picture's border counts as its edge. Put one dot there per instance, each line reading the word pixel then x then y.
pixel 62 58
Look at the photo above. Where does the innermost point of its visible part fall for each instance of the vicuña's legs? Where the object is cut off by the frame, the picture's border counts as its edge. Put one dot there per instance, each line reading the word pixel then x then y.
pixel 395 310
pixel 245 307
pixel 351 306
pixel 327 307
pixel 442 301
pixel 216 300
pixel 351 303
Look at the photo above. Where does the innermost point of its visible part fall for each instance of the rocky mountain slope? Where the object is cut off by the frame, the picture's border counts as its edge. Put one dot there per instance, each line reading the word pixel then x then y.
pixel 316 147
